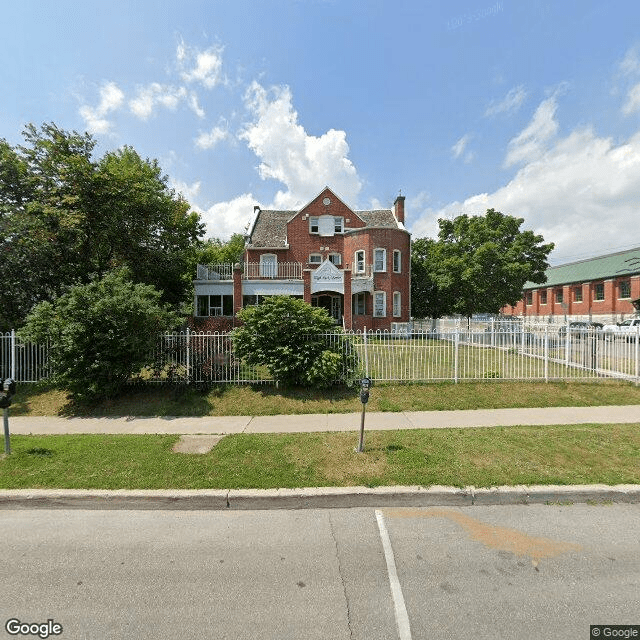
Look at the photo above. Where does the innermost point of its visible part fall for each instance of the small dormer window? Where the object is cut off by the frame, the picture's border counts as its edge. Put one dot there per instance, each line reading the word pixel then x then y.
pixel 313 225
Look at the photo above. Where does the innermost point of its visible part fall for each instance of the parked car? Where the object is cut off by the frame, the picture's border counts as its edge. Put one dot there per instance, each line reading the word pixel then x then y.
pixel 628 327
pixel 579 328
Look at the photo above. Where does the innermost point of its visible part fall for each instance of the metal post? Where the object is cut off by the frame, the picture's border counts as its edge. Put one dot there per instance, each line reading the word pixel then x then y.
pixel 7 445
pixel 546 353
pixel 188 357
pixel 360 448
pixel 12 375
pixel 456 342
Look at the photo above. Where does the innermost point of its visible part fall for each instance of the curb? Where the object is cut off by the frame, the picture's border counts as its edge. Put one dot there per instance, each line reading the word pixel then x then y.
pixel 315 497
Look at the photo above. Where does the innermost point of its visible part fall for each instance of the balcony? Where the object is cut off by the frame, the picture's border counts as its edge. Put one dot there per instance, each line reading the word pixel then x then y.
pixel 272 271
pixel 251 271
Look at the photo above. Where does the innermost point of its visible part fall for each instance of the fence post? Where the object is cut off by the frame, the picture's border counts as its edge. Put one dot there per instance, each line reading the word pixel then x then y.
pixel 637 356
pixel 13 354
pixel 366 353
pixel 188 356
pixel 456 342
pixel 546 353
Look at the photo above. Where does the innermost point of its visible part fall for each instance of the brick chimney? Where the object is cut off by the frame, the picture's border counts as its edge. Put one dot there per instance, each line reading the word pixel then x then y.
pixel 398 209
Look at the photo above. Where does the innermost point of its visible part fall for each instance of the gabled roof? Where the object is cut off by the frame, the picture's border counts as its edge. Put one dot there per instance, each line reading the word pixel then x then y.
pixel 612 265
pixel 269 229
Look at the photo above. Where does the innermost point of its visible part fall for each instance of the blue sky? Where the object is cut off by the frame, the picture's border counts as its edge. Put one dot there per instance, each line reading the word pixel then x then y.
pixel 531 108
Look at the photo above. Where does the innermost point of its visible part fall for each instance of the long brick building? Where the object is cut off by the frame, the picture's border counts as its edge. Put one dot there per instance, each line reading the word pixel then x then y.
pixel 355 264
pixel 602 289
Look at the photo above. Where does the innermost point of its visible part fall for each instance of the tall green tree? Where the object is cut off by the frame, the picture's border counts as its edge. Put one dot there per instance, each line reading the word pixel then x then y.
pixel 66 217
pixel 479 264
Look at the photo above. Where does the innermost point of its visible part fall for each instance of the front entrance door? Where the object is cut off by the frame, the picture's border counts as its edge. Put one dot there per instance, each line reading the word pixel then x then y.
pixel 332 302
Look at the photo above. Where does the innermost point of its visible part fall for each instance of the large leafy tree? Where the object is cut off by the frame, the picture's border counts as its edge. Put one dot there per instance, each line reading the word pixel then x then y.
pixel 66 217
pixel 479 264
pixel 100 334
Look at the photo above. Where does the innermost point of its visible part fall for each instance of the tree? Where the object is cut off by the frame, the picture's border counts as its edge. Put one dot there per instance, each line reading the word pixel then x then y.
pixel 100 333
pixel 288 336
pixel 479 264
pixel 217 251
pixel 65 217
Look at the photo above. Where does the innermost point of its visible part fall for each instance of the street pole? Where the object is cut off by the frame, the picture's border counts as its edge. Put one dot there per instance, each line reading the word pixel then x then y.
pixel 7 445
pixel 360 448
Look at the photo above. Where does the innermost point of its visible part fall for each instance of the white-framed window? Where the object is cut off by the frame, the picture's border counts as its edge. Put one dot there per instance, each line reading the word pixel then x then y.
pixel 268 265
pixel 338 224
pixel 335 258
pixel 379 304
pixel 379 259
pixel 397 307
pixel 397 261
pixel 359 305
pixel 313 224
pixel 359 261
pixel 315 258
pixel 216 305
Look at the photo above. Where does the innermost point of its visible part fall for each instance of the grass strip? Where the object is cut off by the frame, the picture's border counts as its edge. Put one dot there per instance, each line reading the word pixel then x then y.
pixel 483 457
pixel 263 400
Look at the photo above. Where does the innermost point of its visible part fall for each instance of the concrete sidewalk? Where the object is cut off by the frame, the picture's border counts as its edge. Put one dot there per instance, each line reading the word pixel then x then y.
pixel 374 421
pixel 320 497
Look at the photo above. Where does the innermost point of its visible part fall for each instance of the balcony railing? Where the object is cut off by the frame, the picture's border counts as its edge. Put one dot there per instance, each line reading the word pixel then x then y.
pixel 272 271
pixel 252 271
pixel 215 272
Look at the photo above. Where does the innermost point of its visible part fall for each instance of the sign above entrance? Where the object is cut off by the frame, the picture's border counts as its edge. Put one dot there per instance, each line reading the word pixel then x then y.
pixel 327 277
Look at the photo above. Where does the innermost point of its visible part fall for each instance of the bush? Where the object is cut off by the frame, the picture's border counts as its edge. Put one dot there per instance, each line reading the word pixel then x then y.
pixel 100 334
pixel 289 337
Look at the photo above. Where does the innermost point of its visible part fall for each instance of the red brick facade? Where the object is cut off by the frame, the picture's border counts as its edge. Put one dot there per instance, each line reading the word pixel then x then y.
pixel 363 258
pixel 601 300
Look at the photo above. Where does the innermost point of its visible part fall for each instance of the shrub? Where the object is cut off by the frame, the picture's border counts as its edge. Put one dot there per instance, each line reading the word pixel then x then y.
pixel 100 334
pixel 289 337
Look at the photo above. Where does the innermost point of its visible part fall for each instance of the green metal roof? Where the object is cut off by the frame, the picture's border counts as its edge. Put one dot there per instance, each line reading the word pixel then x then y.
pixel 613 265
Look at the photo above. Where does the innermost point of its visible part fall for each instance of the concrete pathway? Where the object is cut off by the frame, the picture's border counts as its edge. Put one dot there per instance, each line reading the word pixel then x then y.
pixel 225 425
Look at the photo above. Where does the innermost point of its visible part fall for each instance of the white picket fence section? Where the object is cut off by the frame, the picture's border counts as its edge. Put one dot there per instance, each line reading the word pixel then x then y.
pixel 466 351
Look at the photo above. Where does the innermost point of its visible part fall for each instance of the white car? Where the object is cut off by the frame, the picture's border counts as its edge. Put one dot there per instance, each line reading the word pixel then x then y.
pixel 628 327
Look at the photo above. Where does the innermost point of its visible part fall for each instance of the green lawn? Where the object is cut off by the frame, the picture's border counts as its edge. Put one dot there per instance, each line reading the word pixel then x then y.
pixel 584 454
pixel 164 400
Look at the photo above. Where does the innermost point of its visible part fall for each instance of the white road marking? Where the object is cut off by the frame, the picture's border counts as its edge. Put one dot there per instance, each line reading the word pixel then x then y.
pixel 402 619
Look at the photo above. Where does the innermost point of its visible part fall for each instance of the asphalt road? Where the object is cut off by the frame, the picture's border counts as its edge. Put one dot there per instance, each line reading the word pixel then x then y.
pixel 539 571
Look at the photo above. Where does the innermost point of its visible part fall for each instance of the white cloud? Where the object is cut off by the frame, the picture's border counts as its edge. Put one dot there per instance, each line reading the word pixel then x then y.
pixel 509 104
pixel 203 67
pixel 630 64
pixel 226 218
pixel 111 99
pixel 582 195
pixel 287 153
pixel 633 101
pixel 459 147
pixel 148 97
pixel 210 139
pixel 531 143
pixel 189 191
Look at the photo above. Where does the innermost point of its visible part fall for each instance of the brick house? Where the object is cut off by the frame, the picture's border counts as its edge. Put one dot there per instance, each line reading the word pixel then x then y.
pixel 355 264
pixel 601 289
